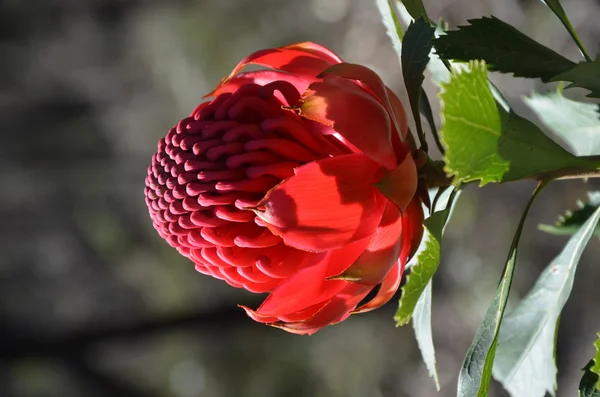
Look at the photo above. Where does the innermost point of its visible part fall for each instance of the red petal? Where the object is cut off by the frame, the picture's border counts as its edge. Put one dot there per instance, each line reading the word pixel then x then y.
pixel 399 112
pixel 309 286
pixel 412 224
pixel 305 59
pixel 338 309
pixel 353 112
pixel 382 253
pixel 318 50
pixel 304 314
pixel 258 317
pixel 326 205
pixel 387 98
pixel 400 185
pixel 388 288
pixel 260 77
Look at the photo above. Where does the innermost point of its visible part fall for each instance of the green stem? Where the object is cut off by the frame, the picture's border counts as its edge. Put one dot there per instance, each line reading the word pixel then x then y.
pixel 567 24
pixel 562 16
pixel 433 175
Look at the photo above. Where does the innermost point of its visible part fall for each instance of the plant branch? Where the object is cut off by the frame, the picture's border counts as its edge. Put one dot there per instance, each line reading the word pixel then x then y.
pixel 432 175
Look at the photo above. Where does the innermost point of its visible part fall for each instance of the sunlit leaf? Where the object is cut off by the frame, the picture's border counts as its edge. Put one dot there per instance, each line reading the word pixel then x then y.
pixel 415 300
pixel 596 367
pixel 483 142
pixel 425 263
pixel 421 322
pixel 476 372
pixel 575 123
pixel 525 353
pixel 392 26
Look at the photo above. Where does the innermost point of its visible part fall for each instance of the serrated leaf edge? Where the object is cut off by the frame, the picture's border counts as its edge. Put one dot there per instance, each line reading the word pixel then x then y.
pixel 451 172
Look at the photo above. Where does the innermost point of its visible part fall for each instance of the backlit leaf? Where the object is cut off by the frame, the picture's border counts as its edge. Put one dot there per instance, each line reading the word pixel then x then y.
pixel 525 353
pixel 484 142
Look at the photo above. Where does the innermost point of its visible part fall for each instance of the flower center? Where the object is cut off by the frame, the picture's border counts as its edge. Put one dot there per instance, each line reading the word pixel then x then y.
pixel 217 163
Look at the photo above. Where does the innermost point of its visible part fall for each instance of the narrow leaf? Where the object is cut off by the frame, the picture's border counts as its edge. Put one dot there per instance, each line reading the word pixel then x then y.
pixel 476 371
pixel 575 123
pixel 559 11
pixel 422 326
pixel 588 386
pixel 436 67
pixel 585 75
pixel 484 142
pixel 525 353
pixel 426 264
pixel 415 8
pixel 392 26
pixel 571 221
pixel 416 46
pixel 596 368
pixel 503 48
pixel 415 300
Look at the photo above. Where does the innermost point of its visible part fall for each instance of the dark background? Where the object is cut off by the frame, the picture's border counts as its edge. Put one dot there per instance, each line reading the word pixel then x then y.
pixel 93 303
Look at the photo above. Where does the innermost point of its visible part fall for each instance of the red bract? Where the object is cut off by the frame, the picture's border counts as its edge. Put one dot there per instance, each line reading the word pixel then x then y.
pixel 296 181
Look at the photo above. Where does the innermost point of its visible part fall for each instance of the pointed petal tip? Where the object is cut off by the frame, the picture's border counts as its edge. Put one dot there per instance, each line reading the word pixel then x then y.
pixel 292 330
pixel 254 315
pixel 400 185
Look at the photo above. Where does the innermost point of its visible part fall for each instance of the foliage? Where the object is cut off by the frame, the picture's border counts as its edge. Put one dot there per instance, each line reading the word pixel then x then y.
pixel 525 354
pixel 482 139
pixel 485 143
pixel 572 220
pixel 575 123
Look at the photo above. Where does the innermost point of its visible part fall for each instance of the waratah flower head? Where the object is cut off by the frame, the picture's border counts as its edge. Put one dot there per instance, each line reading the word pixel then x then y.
pixel 297 181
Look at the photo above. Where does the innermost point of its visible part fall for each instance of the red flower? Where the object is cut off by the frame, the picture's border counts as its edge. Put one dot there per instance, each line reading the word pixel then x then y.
pixel 297 181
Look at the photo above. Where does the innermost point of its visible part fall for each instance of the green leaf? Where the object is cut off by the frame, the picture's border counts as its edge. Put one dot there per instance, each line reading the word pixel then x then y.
pixel 596 368
pixel 585 75
pixel 589 386
pixel 557 9
pixel 436 67
pixel 392 25
pixel 576 123
pixel 415 8
pixel 503 48
pixel 439 71
pixel 476 372
pixel 525 354
pixel 426 264
pixel 589 381
pixel 484 142
pixel 415 301
pixel 416 46
pixel 422 326
pixel 571 221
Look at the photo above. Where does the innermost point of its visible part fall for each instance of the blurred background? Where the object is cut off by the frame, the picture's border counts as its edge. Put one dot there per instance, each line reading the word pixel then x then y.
pixel 93 303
